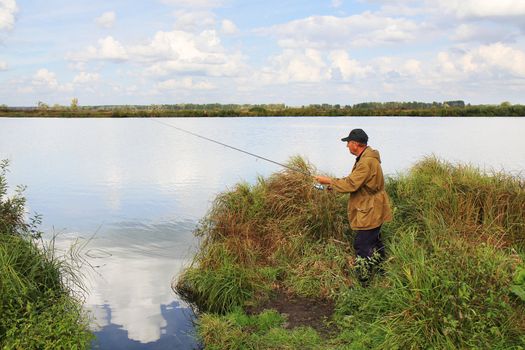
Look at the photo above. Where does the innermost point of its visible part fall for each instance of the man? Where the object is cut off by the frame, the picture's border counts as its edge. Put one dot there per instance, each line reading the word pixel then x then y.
pixel 368 204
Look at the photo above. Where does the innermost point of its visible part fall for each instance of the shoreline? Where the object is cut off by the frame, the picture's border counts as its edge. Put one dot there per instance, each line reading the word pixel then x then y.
pixel 216 110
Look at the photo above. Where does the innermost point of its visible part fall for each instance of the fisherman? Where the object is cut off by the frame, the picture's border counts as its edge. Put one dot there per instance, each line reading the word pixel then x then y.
pixel 368 204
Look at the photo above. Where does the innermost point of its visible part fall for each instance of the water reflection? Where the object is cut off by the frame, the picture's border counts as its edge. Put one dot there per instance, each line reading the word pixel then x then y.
pixel 176 333
pixel 128 268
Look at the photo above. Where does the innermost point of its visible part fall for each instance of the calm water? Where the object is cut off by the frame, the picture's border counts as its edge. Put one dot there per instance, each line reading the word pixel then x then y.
pixel 135 190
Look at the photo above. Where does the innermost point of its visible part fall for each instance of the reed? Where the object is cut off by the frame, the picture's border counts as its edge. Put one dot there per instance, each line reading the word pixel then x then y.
pixel 462 199
pixel 256 235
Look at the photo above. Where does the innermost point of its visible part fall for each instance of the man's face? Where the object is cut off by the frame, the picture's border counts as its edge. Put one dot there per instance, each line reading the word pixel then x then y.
pixel 352 147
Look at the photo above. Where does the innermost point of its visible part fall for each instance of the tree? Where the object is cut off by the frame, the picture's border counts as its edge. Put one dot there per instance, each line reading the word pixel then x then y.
pixel 42 105
pixel 74 103
pixel 456 103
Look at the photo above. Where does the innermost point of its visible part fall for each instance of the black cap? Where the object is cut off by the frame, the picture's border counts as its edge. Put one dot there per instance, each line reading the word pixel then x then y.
pixel 357 135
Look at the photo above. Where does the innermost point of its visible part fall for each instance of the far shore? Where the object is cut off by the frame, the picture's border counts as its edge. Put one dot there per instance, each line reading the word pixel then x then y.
pixel 373 109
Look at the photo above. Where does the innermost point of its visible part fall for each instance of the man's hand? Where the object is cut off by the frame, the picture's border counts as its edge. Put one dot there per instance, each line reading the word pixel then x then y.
pixel 323 180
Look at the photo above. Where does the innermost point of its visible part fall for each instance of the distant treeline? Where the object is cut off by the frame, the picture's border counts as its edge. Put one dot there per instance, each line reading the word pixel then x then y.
pixel 447 109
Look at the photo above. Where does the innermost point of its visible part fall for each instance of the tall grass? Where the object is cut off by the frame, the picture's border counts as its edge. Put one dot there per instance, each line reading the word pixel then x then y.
pixel 255 236
pixel 463 201
pixel 454 277
pixel 38 305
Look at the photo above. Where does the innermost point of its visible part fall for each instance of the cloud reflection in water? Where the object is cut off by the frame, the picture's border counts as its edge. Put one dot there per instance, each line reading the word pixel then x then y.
pixel 176 334
pixel 129 284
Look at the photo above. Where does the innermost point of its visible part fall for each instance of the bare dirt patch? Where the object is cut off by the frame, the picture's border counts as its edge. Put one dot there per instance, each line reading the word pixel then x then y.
pixel 300 311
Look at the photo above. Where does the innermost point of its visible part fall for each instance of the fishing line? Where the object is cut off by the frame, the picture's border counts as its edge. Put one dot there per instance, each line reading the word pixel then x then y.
pixel 232 147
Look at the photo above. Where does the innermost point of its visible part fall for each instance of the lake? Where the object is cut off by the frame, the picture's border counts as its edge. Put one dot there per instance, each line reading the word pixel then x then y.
pixel 133 190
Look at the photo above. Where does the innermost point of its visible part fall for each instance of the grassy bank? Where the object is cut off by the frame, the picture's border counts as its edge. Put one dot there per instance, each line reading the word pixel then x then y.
pixel 454 278
pixel 38 309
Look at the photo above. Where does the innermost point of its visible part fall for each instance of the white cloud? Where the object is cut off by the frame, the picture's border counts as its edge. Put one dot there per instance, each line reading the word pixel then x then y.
pixel 25 89
pixel 316 66
pixel 194 3
pixel 179 51
pixel 107 19
pixel 184 83
pixel 392 77
pixel 84 77
pixel 80 66
pixel 228 27
pixel 366 29
pixel 304 66
pixel 446 65
pixel 46 80
pixel 8 10
pixel 486 33
pixel 44 77
pixel 483 8
pixel 3 65
pixel 180 45
pixel 501 57
pixel 484 21
pixel 412 67
pixel 107 49
pixel 111 49
pixel 479 66
pixel 337 3
pixel 346 67
pixel 392 67
pixel 458 8
pixel 407 8
pixel 168 53
pixel 193 21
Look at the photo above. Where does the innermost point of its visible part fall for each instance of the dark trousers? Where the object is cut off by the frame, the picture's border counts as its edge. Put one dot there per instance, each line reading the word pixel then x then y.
pixel 367 242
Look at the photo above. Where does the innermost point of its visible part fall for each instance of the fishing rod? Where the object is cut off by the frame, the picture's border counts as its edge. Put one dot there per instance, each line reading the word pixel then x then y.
pixel 232 147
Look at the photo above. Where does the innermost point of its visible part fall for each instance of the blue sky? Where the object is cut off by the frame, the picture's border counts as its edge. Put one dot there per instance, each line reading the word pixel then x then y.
pixel 229 51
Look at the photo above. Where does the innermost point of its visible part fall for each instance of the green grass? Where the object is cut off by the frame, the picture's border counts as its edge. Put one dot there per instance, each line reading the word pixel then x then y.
pixel 454 278
pixel 264 331
pixel 257 235
pixel 38 306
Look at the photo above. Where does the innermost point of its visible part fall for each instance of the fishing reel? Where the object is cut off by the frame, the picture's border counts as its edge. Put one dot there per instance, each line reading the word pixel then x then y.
pixel 321 187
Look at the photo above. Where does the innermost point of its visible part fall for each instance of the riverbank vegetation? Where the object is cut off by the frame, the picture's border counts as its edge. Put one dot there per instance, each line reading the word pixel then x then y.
pixel 445 109
pixel 454 277
pixel 38 306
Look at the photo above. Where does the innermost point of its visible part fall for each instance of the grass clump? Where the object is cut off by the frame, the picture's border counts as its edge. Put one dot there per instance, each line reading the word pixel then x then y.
pixel 255 332
pixel 454 277
pixel 260 235
pixel 221 286
pixel 37 305
pixel 320 270
pixel 453 296
pixel 463 201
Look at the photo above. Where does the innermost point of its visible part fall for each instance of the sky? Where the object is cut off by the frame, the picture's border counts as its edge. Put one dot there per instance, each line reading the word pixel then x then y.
pixel 230 51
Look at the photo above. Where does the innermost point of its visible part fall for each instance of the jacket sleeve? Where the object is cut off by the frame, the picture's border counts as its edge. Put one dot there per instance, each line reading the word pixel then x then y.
pixel 354 181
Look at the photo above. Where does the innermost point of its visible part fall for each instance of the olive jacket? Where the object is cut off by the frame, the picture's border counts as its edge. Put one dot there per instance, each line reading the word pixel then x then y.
pixel 368 204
